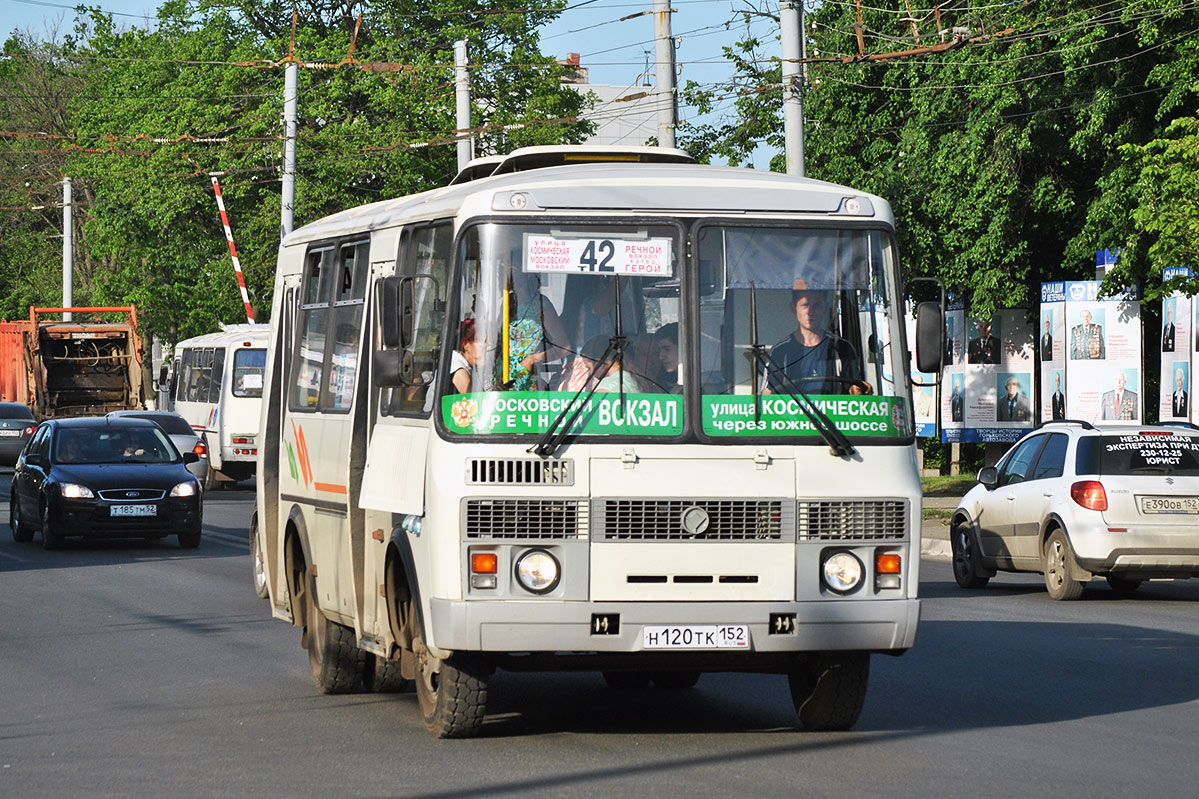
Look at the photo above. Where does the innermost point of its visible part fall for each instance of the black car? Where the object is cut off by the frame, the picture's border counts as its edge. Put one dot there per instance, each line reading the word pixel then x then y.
pixel 16 426
pixel 104 478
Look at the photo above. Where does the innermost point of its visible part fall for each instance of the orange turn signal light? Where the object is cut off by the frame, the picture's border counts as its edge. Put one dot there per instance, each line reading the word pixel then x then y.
pixel 887 563
pixel 483 563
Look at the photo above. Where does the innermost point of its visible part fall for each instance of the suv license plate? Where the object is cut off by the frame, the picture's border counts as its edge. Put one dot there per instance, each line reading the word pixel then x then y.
pixel 701 636
pixel 1169 504
pixel 133 510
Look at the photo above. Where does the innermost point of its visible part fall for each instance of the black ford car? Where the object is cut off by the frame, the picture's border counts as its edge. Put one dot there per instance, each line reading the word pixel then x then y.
pixel 104 478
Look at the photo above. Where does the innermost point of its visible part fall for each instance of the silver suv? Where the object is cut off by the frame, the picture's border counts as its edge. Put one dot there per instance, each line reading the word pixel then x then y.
pixel 1074 501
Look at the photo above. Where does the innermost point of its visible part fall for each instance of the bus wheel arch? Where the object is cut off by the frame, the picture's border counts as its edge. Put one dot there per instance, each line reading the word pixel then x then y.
pixel 296 560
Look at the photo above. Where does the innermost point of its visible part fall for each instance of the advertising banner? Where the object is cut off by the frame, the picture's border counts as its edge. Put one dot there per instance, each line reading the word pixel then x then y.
pixel 1177 348
pixel 953 391
pixel 992 390
pixel 1096 350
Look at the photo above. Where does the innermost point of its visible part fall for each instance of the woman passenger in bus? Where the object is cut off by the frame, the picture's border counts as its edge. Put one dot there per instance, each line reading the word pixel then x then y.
pixel 535 333
pixel 614 379
pixel 464 357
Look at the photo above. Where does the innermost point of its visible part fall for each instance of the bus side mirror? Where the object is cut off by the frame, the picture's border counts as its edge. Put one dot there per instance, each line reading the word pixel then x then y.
pixel 392 368
pixel 389 311
pixel 162 375
pixel 930 337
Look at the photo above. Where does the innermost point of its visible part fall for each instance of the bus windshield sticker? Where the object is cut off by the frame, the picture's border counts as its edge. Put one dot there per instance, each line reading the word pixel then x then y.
pixel 781 416
pixel 513 412
pixel 598 256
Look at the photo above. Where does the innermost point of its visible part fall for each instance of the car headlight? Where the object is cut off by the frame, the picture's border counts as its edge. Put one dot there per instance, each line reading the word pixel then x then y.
pixel 842 572
pixel 537 571
pixel 76 491
pixel 184 490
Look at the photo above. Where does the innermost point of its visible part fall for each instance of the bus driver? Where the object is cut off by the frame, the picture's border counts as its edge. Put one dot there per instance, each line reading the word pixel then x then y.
pixel 817 361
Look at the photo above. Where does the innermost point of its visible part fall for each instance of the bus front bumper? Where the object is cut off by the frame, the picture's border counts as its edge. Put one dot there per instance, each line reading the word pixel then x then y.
pixel 531 626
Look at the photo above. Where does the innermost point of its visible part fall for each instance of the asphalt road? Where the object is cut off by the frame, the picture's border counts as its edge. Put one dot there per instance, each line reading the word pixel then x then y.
pixel 133 669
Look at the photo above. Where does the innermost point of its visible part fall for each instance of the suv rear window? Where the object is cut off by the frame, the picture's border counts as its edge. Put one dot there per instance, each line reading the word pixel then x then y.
pixel 171 425
pixel 1138 454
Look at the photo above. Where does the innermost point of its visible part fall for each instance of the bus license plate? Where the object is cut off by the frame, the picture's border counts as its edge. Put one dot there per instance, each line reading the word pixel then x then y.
pixel 701 636
pixel 133 510
pixel 1170 504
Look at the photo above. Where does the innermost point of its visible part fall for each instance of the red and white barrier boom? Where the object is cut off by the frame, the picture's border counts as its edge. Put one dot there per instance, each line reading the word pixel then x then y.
pixel 241 280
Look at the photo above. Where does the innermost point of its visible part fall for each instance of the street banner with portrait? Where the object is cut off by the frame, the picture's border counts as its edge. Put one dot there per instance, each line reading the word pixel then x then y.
pixel 1096 357
pixel 1177 349
pixel 953 378
pixel 992 390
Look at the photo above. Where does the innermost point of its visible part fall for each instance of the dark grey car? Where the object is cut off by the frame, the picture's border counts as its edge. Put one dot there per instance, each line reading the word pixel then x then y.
pixel 16 426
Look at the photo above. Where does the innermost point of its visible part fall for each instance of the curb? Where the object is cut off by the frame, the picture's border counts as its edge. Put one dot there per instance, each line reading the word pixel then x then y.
pixel 935 549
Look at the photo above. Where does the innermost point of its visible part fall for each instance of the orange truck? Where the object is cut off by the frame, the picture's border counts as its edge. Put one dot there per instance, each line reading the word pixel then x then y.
pixel 84 367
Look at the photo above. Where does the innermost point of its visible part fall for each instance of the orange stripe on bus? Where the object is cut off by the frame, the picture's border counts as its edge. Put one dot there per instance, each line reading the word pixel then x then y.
pixel 331 488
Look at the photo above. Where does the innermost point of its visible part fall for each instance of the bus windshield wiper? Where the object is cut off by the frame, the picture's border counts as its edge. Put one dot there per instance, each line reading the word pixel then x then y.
pixel 837 442
pixel 553 435
pixel 548 444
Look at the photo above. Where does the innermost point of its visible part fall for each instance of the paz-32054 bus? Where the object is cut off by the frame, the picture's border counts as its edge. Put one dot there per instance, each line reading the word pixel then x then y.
pixel 589 410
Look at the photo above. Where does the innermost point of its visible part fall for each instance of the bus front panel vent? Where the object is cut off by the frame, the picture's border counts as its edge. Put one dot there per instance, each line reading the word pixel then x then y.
pixel 520 471
pixel 856 520
pixel 528 519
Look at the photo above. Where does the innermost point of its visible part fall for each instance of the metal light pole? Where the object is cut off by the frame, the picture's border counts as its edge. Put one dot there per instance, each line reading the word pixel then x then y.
pixel 791 25
pixel 290 92
pixel 68 250
pixel 664 52
pixel 466 146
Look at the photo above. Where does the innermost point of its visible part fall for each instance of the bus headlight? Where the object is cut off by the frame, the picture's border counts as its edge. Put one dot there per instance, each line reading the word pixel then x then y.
pixel 537 571
pixel 842 572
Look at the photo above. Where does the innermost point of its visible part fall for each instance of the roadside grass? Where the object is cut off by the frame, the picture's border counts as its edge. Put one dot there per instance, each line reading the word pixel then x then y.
pixel 948 485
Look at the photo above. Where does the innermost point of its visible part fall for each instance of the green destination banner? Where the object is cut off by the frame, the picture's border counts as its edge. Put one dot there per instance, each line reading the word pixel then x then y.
pixel 507 412
pixel 781 416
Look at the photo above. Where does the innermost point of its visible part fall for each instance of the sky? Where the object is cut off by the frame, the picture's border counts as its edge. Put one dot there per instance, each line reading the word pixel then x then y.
pixel 613 49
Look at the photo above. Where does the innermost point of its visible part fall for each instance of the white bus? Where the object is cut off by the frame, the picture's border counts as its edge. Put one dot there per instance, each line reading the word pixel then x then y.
pixel 216 385
pixel 590 410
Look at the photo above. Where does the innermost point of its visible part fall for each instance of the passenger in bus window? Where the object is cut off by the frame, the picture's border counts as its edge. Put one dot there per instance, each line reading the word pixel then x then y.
pixel 464 357
pixel 666 347
pixel 817 361
pixel 613 379
pixel 535 332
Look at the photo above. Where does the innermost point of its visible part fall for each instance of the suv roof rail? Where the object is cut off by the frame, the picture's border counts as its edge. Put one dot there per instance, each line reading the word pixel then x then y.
pixel 1085 425
pixel 1187 425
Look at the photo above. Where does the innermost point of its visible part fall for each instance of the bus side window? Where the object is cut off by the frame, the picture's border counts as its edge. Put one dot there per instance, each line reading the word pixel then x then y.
pixel 217 375
pixel 427 261
pixel 308 364
pixel 350 288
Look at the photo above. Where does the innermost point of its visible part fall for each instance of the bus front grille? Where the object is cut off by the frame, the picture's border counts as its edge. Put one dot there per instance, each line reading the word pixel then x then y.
pixel 520 471
pixel 694 520
pixel 857 520
pixel 539 519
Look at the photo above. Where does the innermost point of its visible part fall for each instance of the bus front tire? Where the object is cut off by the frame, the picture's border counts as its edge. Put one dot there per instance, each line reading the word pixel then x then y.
pixel 828 689
pixel 337 662
pixel 452 693
pixel 259 564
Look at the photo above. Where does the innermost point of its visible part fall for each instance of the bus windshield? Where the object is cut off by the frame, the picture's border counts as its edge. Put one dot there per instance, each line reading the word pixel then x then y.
pixel 789 312
pixel 548 314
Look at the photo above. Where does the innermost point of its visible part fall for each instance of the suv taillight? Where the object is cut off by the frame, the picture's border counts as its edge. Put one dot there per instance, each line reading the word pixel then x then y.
pixel 1089 494
pixel 200 449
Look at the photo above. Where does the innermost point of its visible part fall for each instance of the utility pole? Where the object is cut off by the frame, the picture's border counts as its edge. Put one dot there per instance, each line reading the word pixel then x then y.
pixel 664 50
pixel 68 250
pixel 290 92
pixel 791 27
pixel 466 146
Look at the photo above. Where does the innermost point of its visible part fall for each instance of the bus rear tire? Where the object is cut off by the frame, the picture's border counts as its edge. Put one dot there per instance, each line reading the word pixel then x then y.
pixel 828 689
pixel 258 561
pixel 382 676
pixel 337 662
pixel 452 693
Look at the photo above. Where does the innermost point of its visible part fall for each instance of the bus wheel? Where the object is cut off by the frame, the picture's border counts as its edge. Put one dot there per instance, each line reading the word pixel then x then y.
pixel 337 662
pixel 382 676
pixel 258 561
pixel 828 689
pixel 452 693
